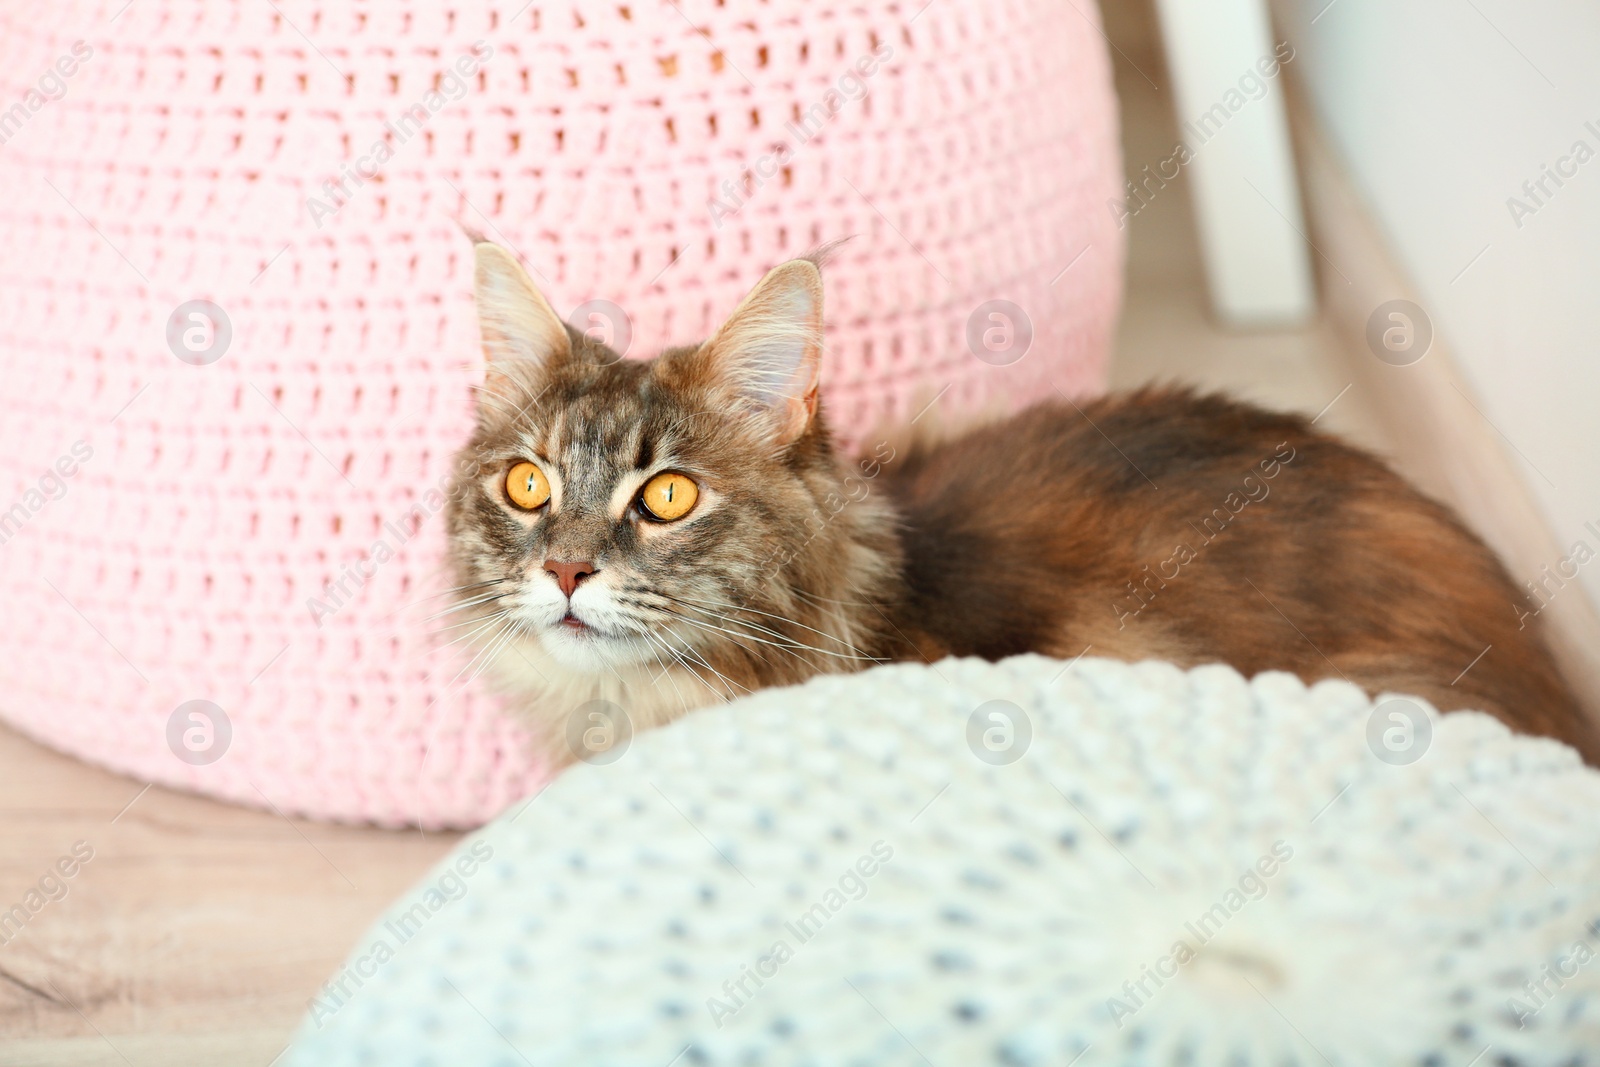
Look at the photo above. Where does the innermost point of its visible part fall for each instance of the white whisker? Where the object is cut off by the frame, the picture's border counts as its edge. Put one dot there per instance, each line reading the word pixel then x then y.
pixel 465 604
pixel 727 682
pixel 650 643
pixel 686 665
pixel 486 650
pixel 789 645
pixel 740 638
pixel 507 633
pixel 420 601
pixel 481 621
pixel 770 615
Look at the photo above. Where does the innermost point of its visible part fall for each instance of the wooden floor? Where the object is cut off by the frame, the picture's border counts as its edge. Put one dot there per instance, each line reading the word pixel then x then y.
pixel 197 932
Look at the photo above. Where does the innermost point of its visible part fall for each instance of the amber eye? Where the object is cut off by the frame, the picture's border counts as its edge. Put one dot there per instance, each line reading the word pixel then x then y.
pixel 526 486
pixel 668 496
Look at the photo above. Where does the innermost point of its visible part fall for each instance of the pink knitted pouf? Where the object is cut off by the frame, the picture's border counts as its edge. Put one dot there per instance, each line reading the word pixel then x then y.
pixel 237 339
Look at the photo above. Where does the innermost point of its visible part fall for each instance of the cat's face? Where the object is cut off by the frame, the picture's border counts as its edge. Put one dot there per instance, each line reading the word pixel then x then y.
pixel 617 511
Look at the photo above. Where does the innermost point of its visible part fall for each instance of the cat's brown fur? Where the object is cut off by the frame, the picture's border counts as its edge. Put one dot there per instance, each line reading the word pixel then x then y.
pixel 1065 528
pixel 1158 524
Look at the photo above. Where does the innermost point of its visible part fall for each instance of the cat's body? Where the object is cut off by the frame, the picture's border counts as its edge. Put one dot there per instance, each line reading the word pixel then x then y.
pixel 1160 524
pixel 1153 525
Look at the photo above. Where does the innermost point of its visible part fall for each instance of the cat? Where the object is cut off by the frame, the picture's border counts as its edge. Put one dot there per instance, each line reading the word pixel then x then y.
pixel 669 533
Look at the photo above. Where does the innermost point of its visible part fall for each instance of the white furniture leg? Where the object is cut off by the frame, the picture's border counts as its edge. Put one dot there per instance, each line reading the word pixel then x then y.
pixel 1226 73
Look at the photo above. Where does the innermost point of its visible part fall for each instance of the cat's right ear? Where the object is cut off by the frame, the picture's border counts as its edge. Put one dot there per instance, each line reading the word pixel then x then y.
pixel 521 332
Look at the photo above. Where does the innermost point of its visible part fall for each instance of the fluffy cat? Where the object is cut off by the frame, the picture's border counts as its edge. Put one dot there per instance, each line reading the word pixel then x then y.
pixel 673 532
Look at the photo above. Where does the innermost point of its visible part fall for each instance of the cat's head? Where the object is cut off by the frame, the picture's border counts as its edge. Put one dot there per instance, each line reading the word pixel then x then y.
pixel 622 513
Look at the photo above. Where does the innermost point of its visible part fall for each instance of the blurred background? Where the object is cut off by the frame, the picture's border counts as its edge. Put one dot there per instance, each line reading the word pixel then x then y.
pixel 1396 235
pixel 1441 155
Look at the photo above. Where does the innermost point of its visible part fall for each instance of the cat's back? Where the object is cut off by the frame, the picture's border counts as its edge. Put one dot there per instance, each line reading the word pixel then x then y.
pixel 1149 449
pixel 1167 524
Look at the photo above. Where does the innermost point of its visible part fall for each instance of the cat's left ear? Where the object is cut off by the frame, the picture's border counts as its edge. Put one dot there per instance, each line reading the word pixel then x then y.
pixel 768 355
pixel 520 329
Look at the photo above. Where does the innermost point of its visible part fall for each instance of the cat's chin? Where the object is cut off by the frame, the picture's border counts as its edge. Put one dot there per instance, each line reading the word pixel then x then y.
pixel 587 650
pixel 550 678
pixel 573 666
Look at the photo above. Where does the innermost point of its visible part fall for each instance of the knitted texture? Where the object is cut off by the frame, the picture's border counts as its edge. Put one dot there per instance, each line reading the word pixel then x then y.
pixel 303 167
pixel 851 872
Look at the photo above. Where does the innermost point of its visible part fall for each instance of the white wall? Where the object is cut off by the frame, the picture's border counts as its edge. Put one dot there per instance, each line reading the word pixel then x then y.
pixel 1442 109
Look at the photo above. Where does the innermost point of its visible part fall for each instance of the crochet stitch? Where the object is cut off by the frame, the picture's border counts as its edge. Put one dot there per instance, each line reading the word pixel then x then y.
pixel 232 275
pixel 1149 866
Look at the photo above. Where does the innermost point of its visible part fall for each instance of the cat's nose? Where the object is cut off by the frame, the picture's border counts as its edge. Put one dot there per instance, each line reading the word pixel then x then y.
pixel 568 575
